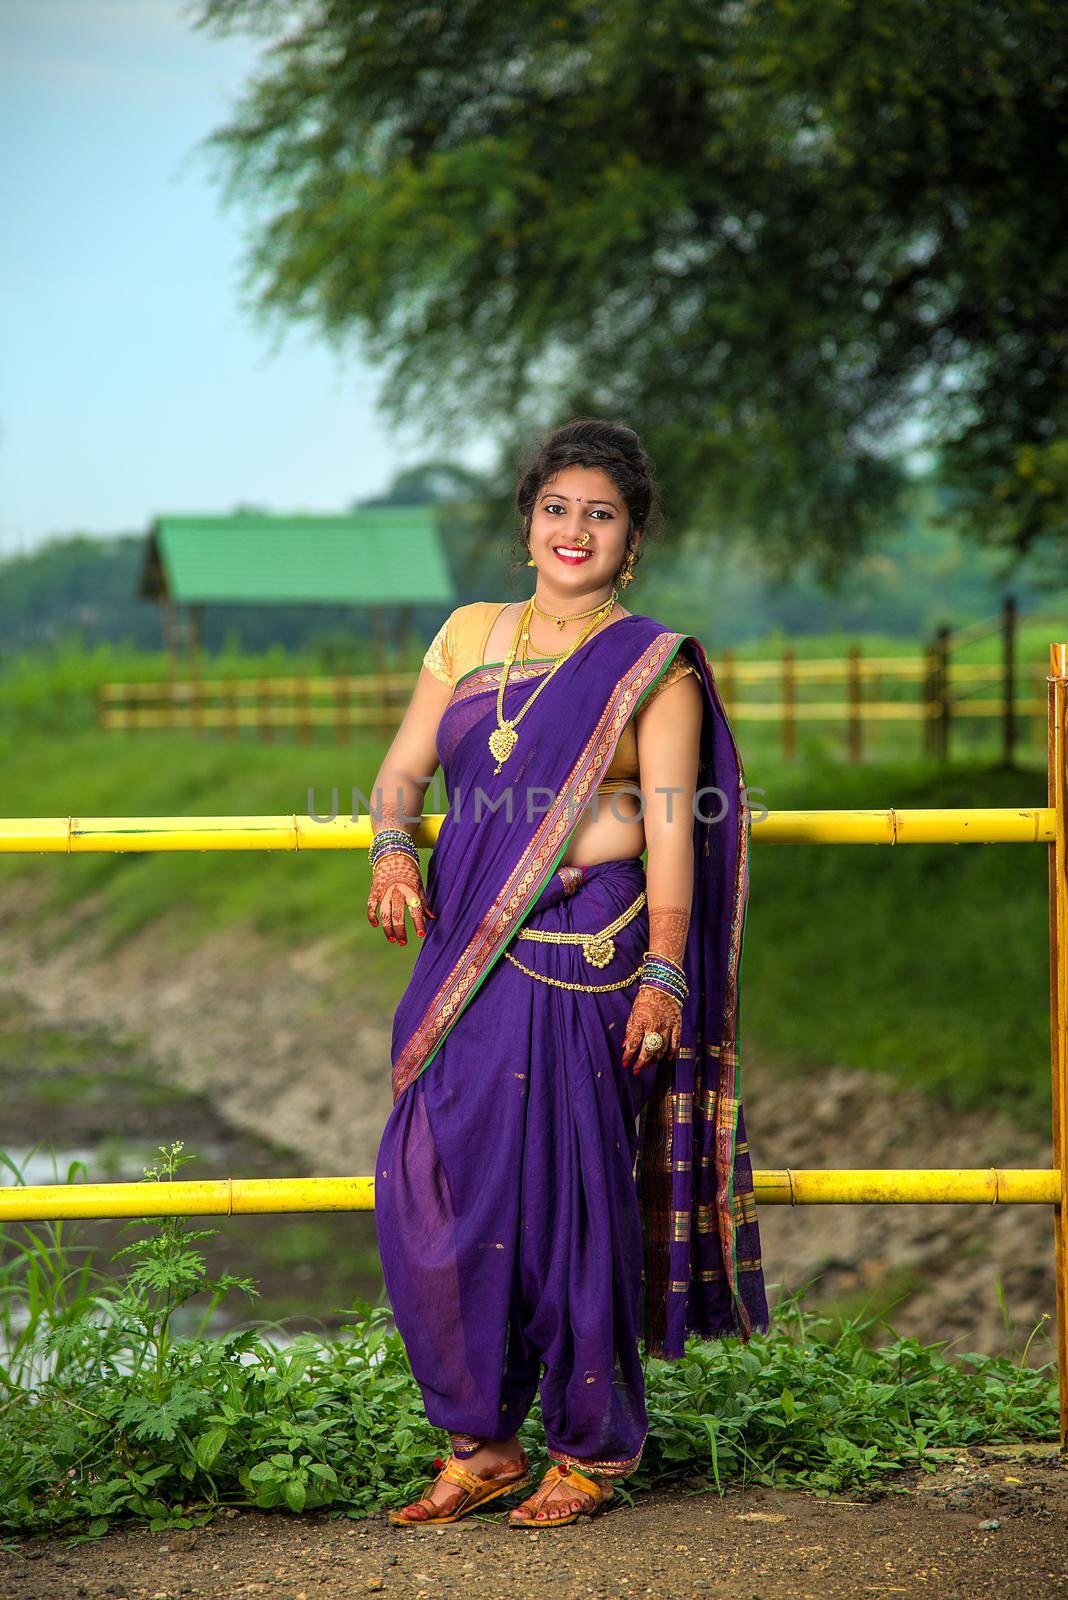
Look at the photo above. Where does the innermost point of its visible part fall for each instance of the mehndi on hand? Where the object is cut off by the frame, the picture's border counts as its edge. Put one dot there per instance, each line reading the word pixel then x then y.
pixel 653 1011
pixel 397 885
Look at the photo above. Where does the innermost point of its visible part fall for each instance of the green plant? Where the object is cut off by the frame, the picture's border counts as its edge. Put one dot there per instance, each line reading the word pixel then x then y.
pixel 110 1417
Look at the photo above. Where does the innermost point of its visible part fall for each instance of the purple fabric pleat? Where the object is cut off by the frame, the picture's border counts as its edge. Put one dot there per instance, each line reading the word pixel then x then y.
pixel 507 1214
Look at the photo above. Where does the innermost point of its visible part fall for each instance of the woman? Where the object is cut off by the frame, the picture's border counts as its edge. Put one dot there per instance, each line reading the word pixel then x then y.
pixel 565 1167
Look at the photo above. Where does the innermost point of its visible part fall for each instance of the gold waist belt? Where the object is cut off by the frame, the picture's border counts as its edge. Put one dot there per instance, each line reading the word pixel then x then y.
pixel 598 948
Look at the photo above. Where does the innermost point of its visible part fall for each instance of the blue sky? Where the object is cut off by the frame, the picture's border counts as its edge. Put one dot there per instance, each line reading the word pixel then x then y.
pixel 132 379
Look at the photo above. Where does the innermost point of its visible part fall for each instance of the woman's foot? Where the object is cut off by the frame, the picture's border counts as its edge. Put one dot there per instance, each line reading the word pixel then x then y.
pixel 496 1458
pixel 559 1501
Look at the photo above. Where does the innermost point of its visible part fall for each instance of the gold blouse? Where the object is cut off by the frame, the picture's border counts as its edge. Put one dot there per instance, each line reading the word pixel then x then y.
pixel 460 644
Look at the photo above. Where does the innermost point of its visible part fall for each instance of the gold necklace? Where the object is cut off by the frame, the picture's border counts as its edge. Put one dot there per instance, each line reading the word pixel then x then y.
pixel 550 616
pixel 570 616
pixel 503 739
pixel 525 658
pixel 547 655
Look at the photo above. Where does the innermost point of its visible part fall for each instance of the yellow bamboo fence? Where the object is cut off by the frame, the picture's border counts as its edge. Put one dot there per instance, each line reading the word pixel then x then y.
pixel 854 693
pixel 1047 825
pixel 296 705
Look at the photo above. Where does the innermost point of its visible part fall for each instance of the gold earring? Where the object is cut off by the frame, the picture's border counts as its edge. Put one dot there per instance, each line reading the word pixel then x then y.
pixel 532 562
pixel 626 572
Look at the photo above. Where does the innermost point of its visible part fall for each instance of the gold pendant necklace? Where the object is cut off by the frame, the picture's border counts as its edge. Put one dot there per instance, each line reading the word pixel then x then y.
pixel 503 739
pixel 551 616
pixel 571 616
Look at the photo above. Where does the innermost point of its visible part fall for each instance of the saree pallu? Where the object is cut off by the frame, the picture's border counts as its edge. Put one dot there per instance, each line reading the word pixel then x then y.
pixel 535 1201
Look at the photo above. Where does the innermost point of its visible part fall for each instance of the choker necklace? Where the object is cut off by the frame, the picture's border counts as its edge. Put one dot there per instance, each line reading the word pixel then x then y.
pixel 569 616
pixel 525 657
pixel 503 739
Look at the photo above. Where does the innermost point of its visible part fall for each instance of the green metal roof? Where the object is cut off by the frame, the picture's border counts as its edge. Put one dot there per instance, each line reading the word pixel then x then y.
pixel 386 555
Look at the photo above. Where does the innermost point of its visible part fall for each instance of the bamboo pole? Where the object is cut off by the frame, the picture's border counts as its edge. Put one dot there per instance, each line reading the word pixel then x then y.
pixel 198 691
pixel 303 720
pixel 387 715
pixel 1057 791
pixel 786 1186
pixel 231 709
pixel 789 706
pixel 927 704
pixel 1008 652
pixel 321 683
pixel 342 708
pixel 729 671
pixel 264 721
pixel 855 710
pixel 82 835
pixel 942 691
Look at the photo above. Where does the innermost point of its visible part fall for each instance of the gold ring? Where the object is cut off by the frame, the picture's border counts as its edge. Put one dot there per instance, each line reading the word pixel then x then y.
pixel 654 1043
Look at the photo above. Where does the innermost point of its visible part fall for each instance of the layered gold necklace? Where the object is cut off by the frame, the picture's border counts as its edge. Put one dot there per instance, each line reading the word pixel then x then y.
pixel 503 739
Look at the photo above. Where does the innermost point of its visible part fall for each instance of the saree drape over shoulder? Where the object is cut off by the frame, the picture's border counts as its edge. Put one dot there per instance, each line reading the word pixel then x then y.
pixel 538 1204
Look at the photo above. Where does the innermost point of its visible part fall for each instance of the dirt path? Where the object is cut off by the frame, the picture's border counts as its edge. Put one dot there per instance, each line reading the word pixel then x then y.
pixel 286 1049
pixel 988 1524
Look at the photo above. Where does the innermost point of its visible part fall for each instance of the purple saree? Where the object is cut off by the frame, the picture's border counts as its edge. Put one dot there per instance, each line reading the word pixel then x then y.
pixel 535 1202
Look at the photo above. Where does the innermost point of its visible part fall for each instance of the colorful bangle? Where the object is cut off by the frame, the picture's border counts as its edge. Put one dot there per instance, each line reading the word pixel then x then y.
pixel 393 841
pixel 393 850
pixel 653 983
pixel 390 839
pixel 391 833
pixel 668 978
pixel 660 972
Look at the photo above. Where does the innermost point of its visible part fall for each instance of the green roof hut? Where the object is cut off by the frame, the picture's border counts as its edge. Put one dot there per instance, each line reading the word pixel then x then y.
pixel 386 558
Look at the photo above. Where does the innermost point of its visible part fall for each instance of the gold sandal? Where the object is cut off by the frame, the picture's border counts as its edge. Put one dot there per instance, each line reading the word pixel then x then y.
pixel 477 1492
pixel 557 1473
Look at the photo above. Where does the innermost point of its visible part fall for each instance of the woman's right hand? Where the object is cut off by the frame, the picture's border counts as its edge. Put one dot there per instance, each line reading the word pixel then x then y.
pixel 396 883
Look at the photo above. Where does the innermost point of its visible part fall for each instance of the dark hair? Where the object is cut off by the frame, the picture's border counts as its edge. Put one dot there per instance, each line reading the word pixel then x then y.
pixel 590 442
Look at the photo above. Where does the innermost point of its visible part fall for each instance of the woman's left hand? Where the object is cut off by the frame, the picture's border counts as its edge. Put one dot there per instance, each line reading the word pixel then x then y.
pixel 653 1011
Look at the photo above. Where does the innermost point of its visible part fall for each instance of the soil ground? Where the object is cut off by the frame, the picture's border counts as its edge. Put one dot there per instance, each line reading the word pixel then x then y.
pixel 989 1523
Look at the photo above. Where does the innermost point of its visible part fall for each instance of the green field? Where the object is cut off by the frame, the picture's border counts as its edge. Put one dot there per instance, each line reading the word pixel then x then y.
pixel 927 962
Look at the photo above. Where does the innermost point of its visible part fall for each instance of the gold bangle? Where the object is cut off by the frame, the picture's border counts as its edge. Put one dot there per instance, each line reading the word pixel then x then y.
pixel 654 955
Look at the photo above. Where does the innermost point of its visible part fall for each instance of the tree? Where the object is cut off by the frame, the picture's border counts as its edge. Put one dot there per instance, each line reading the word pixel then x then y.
pixel 786 239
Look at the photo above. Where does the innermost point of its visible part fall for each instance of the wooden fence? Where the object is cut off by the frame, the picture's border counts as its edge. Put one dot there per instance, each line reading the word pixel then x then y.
pixel 935 691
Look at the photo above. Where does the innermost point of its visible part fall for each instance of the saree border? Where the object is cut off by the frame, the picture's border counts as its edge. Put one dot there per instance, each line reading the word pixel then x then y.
pixel 725 1129
pixel 530 874
pixel 669 1111
pixel 515 671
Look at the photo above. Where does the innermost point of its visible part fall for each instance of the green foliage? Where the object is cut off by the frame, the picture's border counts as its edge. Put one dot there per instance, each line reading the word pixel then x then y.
pixel 75 588
pixel 109 1419
pixel 775 237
